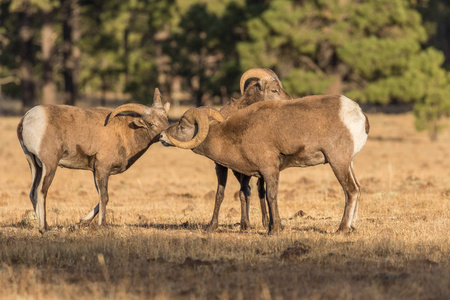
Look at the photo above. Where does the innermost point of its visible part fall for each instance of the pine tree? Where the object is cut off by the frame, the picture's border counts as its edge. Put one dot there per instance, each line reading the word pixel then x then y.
pixel 372 51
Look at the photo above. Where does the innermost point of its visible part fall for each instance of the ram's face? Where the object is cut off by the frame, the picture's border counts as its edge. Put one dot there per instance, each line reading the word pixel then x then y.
pixel 273 91
pixel 183 131
pixel 157 120
pixel 257 90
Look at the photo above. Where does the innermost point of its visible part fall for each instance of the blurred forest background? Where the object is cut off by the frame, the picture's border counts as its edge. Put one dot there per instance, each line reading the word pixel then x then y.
pixel 382 52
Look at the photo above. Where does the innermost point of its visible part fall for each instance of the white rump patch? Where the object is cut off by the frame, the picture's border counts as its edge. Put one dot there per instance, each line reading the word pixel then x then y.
pixel 352 116
pixel 34 125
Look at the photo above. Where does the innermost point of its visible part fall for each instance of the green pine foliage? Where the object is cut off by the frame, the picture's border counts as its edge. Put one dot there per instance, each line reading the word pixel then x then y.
pixel 373 51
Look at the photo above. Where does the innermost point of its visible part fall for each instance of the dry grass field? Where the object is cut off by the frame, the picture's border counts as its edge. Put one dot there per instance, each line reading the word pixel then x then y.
pixel 155 245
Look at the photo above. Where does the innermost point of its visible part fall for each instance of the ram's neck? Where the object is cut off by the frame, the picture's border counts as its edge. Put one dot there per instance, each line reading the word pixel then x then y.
pixel 138 142
pixel 218 147
pixel 233 106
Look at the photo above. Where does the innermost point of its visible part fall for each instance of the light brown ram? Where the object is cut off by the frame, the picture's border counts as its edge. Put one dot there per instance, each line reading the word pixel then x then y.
pixel 269 88
pixel 270 136
pixel 99 139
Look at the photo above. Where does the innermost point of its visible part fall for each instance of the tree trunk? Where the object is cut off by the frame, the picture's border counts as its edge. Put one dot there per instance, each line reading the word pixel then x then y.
pixel 162 63
pixel 434 131
pixel 126 54
pixel 27 83
pixel 48 44
pixel 76 52
pixel 103 92
pixel 71 53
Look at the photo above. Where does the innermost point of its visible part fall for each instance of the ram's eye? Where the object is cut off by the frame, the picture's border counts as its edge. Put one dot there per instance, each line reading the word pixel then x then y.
pixel 181 127
pixel 151 124
pixel 275 91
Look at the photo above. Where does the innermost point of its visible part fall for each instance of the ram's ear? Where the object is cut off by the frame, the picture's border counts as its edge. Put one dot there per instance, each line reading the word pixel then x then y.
pixel 167 107
pixel 139 122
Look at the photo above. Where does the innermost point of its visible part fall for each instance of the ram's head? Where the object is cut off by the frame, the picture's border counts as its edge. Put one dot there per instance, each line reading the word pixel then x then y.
pixel 153 118
pixel 268 83
pixel 192 129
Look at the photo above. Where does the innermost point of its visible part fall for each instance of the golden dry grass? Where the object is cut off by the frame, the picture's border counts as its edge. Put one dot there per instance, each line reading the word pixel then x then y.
pixel 155 245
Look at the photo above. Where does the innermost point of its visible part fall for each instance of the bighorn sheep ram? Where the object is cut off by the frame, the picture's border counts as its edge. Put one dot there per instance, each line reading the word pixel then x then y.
pixel 99 139
pixel 270 136
pixel 270 88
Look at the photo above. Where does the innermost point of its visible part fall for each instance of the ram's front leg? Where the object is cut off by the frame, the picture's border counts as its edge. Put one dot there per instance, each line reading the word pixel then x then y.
pixel 244 197
pixel 271 179
pixel 101 179
pixel 87 219
pixel 101 184
pixel 222 175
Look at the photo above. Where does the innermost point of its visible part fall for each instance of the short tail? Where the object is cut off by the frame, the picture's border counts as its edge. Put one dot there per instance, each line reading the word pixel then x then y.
pixel 19 132
pixel 367 124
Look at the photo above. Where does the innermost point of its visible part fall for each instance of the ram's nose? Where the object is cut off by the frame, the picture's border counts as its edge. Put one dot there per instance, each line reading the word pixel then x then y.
pixel 164 140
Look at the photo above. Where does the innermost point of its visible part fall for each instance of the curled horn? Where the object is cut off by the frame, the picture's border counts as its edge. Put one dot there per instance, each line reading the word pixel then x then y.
pixel 215 114
pixel 261 73
pixel 134 107
pixel 199 116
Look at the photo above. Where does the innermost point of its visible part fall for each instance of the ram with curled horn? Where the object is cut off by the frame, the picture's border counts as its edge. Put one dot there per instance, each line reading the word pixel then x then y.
pixel 258 141
pixel 101 140
pixel 269 87
pixel 266 85
pixel 270 83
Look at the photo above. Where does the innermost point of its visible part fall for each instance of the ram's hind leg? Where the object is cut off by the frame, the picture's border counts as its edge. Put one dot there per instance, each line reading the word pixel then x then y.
pixel 262 202
pixel 355 213
pixel 36 174
pixel 344 175
pixel 44 174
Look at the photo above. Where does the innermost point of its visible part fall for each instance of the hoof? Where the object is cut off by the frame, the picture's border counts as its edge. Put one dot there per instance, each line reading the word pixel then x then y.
pixel 245 225
pixel 50 233
pixel 82 224
pixel 211 227
pixel 265 222
pixel 275 229
pixel 345 230
pixel 43 229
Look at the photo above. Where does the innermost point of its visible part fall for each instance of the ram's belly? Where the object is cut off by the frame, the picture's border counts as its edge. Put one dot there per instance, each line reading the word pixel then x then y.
pixel 302 159
pixel 77 160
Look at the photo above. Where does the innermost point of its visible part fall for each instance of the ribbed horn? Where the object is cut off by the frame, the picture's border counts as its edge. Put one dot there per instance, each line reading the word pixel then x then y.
pixel 197 116
pixel 261 73
pixel 215 114
pixel 133 107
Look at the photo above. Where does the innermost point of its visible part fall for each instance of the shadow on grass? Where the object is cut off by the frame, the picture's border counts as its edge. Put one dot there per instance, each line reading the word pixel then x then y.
pixel 394 139
pixel 222 229
pixel 311 228
pixel 94 226
pixel 182 226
